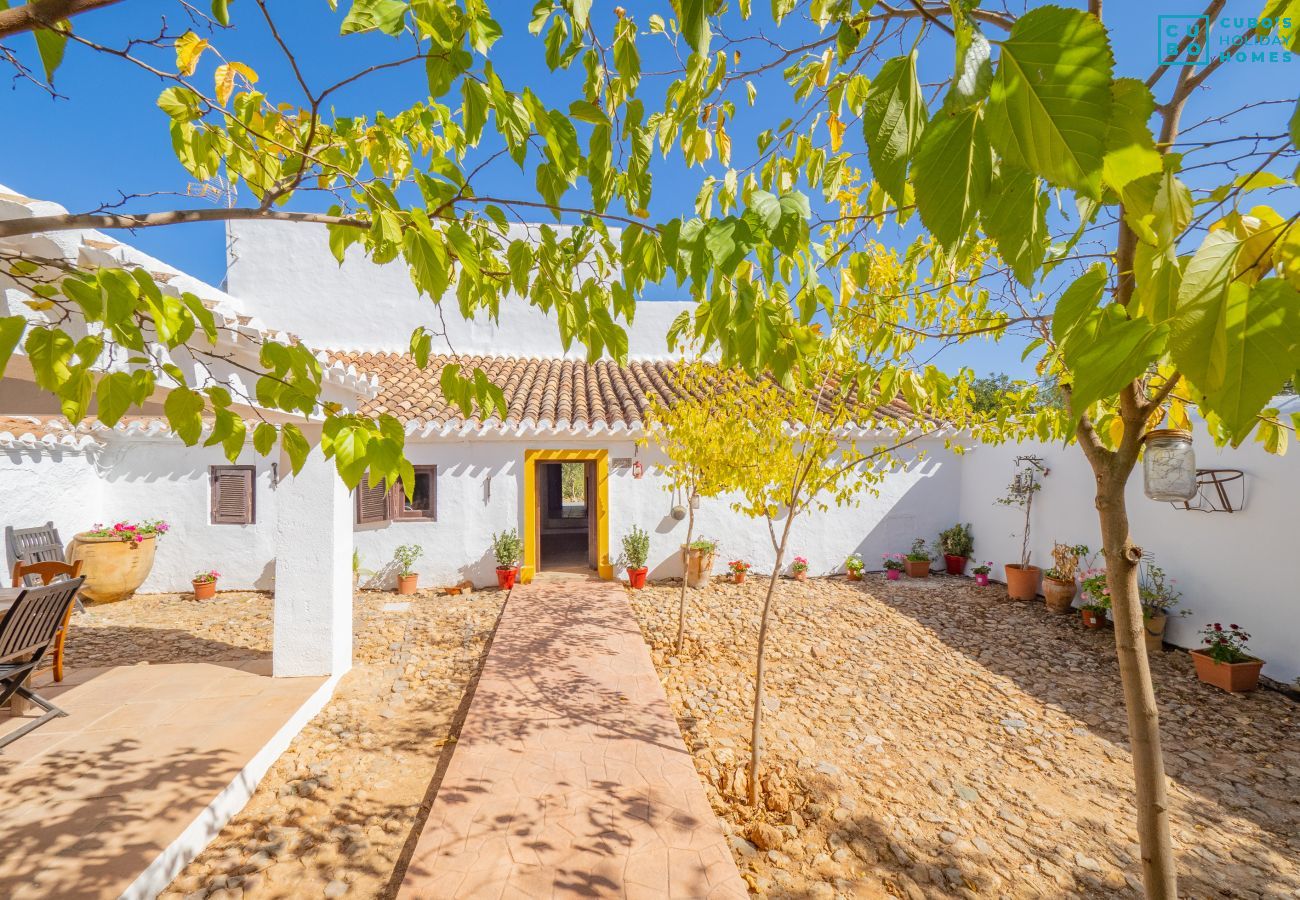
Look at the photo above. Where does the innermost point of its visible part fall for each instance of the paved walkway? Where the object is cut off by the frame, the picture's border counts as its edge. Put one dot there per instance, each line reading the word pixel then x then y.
pixel 87 802
pixel 570 778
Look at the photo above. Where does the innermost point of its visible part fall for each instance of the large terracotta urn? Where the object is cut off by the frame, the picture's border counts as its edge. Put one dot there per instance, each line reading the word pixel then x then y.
pixel 114 569
pixel 699 566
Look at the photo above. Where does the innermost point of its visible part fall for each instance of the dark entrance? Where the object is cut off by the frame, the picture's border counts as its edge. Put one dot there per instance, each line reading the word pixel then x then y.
pixel 566 512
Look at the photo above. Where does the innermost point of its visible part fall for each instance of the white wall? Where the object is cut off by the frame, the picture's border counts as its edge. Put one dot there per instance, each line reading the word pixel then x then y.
pixel 59 485
pixel 917 502
pixel 286 276
pixel 1231 567
pixel 164 479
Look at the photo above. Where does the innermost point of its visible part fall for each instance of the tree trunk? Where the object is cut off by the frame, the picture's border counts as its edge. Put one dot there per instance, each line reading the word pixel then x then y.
pixel 686 574
pixel 1159 875
pixel 760 667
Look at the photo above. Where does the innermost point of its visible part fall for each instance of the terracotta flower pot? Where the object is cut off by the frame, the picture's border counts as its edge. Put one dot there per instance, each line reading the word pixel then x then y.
pixel 114 570
pixel 1153 632
pixel 801 575
pixel 955 565
pixel 737 577
pixel 1092 618
pixel 1236 678
pixel 854 576
pixel 204 590
pixel 1022 581
pixel 1059 595
pixel 635 577
pixel 893 574
pixel 982 579
pixel 406 583
pixel 699 565
pixel 506 576
pixel 918 568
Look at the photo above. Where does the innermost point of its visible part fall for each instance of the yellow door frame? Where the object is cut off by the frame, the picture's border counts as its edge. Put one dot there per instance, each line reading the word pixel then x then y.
pixel 531 458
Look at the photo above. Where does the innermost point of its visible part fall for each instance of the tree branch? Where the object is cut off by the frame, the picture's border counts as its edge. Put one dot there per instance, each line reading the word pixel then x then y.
pixel 44 13
pixel 70 221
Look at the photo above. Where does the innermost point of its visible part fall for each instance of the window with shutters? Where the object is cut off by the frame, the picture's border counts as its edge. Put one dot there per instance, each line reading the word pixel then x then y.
pixel 233 495
pixel 423 505
pixel 372 502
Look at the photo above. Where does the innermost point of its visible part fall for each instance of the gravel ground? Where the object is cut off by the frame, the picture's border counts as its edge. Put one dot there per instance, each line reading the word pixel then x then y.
pixel 932 739
pixel 334 814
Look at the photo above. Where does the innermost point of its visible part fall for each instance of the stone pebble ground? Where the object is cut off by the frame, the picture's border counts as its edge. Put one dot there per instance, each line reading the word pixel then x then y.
pixel 334 815
pixel 929 738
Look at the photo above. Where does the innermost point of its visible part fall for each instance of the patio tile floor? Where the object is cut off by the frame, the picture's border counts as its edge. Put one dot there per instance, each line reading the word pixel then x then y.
pixel 570 777
pixel 90 800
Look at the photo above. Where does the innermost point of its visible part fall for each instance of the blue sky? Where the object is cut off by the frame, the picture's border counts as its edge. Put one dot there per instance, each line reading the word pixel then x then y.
pixel 105 133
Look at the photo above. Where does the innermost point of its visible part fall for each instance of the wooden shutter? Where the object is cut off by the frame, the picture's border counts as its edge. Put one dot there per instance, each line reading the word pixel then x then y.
pixel 233 495
pixel 372 502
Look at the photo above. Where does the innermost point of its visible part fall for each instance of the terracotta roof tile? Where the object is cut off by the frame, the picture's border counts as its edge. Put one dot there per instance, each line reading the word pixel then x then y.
pixel 559 391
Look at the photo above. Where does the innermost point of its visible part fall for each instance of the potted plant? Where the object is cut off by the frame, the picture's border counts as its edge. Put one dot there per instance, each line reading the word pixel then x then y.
pixel 405 557
pixel 894 563
pixel 738 568
pixel 636 550
pixel 853 567
pixel 205 584
pixel 1022 578
pixel 1224 662
pixel 956 543
pixel 699 560
pixel 981 573
pixel 918 560
pixel 799 568
pixel 507 548
pixel 1059 586
pixel 116 560
pixel 1097 594
pixel 1158 595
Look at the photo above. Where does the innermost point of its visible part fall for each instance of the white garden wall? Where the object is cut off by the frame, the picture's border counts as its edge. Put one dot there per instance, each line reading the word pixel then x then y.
pixel 61 485
pixel 287 277
pixel 1232 567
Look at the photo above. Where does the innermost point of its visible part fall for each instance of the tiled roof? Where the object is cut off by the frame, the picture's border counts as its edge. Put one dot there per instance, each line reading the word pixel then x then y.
pixel 46 431
pixel 558 393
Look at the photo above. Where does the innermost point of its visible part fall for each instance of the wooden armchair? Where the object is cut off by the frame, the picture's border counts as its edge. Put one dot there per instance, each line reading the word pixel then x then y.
pixel 48 572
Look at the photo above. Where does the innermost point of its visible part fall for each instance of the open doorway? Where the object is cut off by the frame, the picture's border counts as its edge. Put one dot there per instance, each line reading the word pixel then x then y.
pixel 566 512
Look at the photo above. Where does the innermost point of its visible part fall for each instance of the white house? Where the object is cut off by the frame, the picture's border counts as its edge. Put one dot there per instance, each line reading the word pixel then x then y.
pixel 263 529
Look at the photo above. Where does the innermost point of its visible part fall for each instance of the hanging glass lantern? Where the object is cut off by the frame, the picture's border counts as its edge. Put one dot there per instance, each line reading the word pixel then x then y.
pixel 1169 465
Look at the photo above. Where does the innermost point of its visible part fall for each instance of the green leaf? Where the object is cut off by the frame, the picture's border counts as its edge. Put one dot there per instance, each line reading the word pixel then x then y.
pixel 1077 304
pixel 49 351
pixel 952 173
pixel 51 44
pixel 974 70
pixel 1261 326
pixel 184 410
pixel 295 446
pixel 1199 341
pixel 368 15
pixel 1051 97
pixel 893 122
pixel 181 103
pixel 421 345
pixel 695 24
pixel 115 395
pixel 221 12
pixel 1121 350
pixel 11 331
pixel 1015 216
pixel 1295 126
pixel 264 438
pixel 1130 149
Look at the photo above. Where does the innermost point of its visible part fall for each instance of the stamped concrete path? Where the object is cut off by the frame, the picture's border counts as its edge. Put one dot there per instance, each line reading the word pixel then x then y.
pixel 570 778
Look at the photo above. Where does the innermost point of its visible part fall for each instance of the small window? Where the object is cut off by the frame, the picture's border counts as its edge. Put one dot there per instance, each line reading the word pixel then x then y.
pixel 372 502
pixel 423 505
pixel 233 495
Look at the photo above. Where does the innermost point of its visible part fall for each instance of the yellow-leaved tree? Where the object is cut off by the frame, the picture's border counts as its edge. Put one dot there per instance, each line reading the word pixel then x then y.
pixel 704 442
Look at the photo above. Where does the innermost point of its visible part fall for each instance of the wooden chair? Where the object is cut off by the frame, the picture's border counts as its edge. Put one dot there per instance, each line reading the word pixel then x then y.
pixel 27 631
pixel 38 544
pixel 47 573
